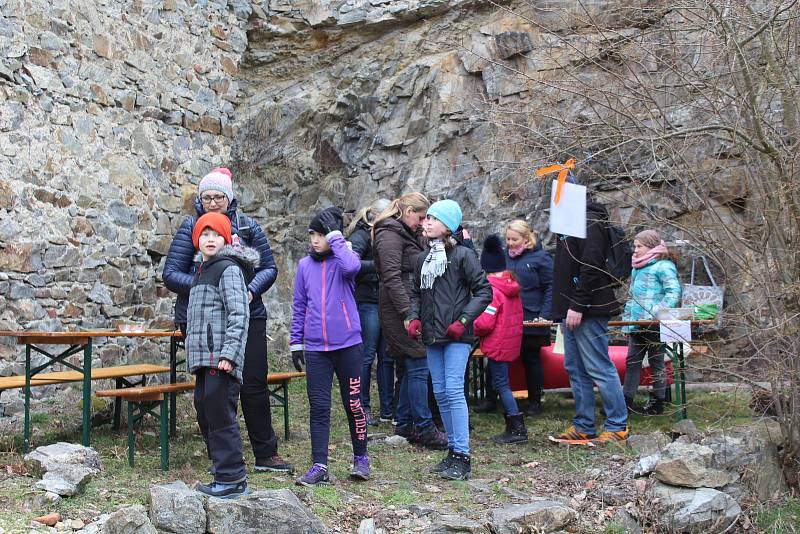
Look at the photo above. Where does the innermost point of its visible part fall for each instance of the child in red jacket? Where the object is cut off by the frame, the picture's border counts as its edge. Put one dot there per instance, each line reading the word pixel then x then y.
pixel 500 330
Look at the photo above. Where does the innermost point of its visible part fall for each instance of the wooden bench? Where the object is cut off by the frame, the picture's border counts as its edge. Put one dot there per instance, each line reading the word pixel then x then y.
pixel 145 399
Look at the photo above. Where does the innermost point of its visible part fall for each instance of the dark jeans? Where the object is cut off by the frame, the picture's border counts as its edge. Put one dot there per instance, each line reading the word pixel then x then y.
pixel 499 377
pixel 254 396
pixel 412 404
pixel 320 367
pixel 215 399
pixel 374 345
pixel 639 344
pixel 534 374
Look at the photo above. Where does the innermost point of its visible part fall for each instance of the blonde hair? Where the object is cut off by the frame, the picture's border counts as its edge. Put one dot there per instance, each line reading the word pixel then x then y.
pixel 367 214
pixel 416 201
pixel 522 228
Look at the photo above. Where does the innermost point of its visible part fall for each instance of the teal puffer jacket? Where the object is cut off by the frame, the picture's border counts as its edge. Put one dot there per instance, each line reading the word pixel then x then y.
pixel 653 287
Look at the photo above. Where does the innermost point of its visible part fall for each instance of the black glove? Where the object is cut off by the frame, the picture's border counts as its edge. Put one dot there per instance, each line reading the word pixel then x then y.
pixel 331 220
pixel 298 358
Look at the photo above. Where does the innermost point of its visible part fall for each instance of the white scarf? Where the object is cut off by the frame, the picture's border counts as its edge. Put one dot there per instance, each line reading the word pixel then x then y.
pixel 435 264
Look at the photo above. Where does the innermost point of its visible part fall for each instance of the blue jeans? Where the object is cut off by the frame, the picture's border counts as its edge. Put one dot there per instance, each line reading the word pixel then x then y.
pixel 499 375
pixel 448 363
pixel 412 404
pixel 586 360
pixel 374 344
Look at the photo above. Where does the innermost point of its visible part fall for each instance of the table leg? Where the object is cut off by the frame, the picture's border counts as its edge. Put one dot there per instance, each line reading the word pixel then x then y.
pixel 87 391
pixel 173 378
pixel 682 367
pixel 286 409
pixel 26 434
pixel 164 433
pixel 131 442
pixel 676 380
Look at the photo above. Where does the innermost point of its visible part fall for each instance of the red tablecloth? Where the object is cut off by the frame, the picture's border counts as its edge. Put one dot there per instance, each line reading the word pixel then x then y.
pixel 555 376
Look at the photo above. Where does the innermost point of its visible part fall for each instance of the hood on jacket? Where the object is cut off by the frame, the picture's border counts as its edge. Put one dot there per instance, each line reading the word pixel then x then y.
pixel 507 285
pixel 595 212
pixel 247 258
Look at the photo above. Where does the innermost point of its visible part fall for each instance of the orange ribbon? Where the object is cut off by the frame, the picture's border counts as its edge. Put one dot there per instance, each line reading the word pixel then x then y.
pixel 562 170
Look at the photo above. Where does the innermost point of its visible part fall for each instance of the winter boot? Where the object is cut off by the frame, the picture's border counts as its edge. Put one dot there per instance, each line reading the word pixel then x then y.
pixel 432 438
pixel 534 407
pixel 459 468
pixel 487 405
pixel 515 431
pixel 654 406
pixel 444 464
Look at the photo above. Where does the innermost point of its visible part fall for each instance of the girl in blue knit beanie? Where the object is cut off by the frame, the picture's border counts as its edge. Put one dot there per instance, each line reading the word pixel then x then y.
pixel 450 291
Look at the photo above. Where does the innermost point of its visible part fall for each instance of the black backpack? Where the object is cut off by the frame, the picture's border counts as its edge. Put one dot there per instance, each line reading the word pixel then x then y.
pixel 618 256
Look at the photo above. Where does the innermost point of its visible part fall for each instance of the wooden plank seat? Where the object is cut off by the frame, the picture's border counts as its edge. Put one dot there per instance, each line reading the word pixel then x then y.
pixel 145 399
pixel 102 373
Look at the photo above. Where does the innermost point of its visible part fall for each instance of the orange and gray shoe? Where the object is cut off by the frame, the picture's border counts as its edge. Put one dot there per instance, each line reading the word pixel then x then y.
pixel 571 434
pixel 619 436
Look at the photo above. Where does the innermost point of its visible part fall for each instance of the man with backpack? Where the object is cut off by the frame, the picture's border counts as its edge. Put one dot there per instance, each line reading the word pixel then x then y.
pixel 215 195
pixel 583 298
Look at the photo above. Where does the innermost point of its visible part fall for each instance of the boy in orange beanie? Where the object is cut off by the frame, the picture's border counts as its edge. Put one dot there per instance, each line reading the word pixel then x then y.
pixel 217 324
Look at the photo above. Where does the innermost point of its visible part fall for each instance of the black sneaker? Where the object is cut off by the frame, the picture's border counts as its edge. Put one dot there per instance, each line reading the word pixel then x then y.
pixel 459 469
pixel 274 464
pixel 386 418
pixel 432 438
pixel 371 419
pixel 443 465
pixel 486 406
pixel 223 491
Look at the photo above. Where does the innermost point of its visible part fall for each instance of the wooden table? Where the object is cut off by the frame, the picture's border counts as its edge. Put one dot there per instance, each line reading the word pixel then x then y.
pixel 79 341
pixel 674 351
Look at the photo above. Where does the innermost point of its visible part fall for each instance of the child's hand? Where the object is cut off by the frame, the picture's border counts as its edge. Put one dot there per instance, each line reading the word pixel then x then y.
pixel 225 365
pixel 455 330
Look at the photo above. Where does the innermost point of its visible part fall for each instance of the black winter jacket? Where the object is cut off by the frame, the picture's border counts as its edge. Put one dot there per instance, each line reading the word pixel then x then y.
pixel 462 291
pixel 580 282
pixel 534 272
pixel 180 267
pixel 367 279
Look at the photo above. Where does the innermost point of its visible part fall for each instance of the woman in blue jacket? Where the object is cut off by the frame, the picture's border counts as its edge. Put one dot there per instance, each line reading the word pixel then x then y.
pixel 215 195
pixel 533 267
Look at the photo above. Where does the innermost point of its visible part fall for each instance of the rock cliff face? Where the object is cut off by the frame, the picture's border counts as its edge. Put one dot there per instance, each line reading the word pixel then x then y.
pixel 111 112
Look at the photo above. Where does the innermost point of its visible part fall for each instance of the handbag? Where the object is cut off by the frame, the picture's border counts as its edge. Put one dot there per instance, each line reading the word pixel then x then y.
pixel 706 301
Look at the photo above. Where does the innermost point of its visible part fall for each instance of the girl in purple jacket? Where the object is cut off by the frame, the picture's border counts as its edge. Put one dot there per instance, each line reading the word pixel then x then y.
pixel 326 337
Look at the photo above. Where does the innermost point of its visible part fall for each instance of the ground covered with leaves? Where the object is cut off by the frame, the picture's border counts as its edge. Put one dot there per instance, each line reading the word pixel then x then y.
pixel 400 493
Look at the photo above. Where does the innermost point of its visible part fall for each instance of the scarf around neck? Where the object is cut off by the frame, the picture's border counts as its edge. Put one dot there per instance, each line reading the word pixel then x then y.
pixel 657 252
pixel 318 256
pixel 435 264
pixel 517 251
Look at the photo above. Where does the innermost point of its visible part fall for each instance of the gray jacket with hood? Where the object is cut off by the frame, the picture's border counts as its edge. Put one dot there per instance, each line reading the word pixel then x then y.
pixel 218 313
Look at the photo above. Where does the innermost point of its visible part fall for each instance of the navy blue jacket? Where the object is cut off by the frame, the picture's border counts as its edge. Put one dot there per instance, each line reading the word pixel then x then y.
pixel 180 268
pixel 534 271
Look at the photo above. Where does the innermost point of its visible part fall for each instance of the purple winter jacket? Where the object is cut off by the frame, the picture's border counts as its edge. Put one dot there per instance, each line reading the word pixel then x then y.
pixel 324 312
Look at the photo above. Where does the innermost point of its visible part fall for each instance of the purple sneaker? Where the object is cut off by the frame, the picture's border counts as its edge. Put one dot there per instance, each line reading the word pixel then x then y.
pixel 360 469
pixel 316 476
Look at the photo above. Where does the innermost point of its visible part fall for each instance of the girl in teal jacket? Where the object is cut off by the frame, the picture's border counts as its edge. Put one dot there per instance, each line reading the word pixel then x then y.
pixel 654 287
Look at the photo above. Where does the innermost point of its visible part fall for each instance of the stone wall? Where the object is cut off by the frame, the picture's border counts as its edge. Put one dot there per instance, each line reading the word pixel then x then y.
pixel 110 112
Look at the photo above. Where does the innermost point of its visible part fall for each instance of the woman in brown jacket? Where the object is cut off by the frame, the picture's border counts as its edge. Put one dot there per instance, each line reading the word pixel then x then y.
pixel 396 248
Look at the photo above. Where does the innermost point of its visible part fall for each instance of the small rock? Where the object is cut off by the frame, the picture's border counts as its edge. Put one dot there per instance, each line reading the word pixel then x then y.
pixel 49 519
pixel 430 488
pixel 688 465
pixel 648 444
pixel 540 516
pixel 686 427
pixel 447 524
pixel 646 465
pixel 77 524
pixel 367 526
pixel 694 510
pixel 397 441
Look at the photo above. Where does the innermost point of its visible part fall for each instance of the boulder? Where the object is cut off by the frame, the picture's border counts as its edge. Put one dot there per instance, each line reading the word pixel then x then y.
pixel 64 467
pixel 689 465
pixel 126 520
pixel 280 509
pixel 703 510
pixel 538 516
pixel 177 508
pixel 647 444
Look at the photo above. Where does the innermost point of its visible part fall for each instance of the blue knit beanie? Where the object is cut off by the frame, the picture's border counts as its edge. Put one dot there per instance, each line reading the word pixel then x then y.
pixel 447 211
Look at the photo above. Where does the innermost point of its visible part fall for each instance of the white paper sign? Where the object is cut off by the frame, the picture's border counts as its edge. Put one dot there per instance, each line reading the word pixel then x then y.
pixel 559 348
pixel 675 331
pixel 568 217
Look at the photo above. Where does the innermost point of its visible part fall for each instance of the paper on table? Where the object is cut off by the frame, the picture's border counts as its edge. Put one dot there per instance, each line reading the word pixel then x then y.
pixel 559 348
pixel 675 331
pixel 568 217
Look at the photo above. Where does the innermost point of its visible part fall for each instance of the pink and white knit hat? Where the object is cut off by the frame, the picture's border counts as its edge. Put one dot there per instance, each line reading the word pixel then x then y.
pixel 218 179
